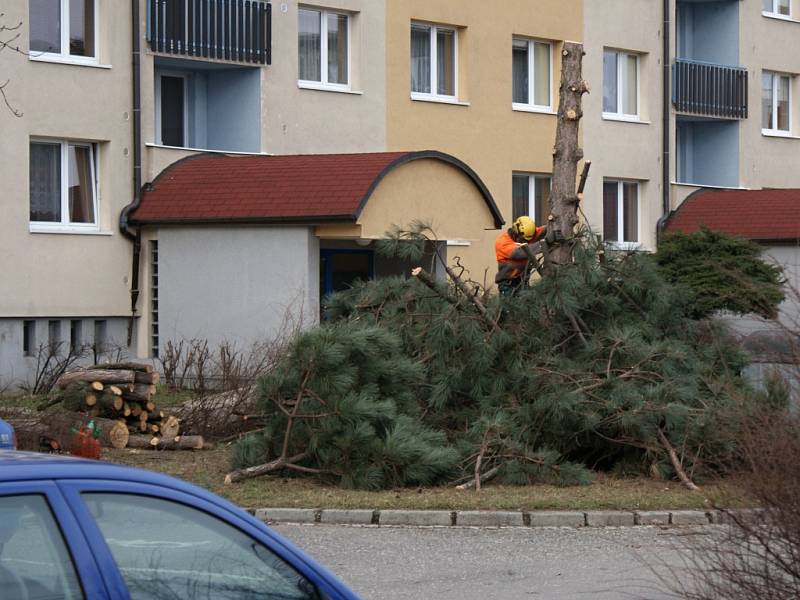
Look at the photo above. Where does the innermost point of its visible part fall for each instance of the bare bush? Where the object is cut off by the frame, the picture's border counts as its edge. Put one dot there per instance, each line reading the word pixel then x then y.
pixel 51 363
pixel 756 553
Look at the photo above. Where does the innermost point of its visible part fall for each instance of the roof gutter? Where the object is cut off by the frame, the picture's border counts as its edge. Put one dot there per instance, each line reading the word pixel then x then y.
pixel 665 129
pixel 129 231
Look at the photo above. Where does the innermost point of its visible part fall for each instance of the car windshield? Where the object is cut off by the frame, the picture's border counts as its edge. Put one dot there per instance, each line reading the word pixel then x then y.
pixel 166 550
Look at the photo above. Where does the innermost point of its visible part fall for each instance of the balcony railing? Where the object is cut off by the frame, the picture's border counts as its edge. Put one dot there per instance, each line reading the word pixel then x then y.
pixel 711 90
pixel 236 30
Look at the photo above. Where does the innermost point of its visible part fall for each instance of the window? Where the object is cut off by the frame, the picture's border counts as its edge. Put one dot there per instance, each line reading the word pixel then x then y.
pixel 776 102
pixel 531 74
pixel 75 336
pixel 530 195
pixel 621 211
pixel 54 336
pixel 33 549
pixel 781 8
pixel 433 62
pixel 620 85
pixel 63 185
pixel 324 48
pixel 172 116
pixel 63 28
pixel 100 333
pixel 182 552
pixel 29 338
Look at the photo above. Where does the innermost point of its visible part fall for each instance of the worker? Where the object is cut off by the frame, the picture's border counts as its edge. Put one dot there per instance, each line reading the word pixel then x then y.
pixel 512 259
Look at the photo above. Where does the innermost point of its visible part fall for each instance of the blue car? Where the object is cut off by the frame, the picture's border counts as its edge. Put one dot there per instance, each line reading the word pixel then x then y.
pixel 8 440
pixel 72 529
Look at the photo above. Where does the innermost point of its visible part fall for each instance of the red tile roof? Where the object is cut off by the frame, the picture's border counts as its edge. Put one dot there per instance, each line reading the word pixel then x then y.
pixel 768 214
pixel 211 188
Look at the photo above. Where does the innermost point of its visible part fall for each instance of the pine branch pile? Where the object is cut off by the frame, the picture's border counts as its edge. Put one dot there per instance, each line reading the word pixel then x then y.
pixel 411 382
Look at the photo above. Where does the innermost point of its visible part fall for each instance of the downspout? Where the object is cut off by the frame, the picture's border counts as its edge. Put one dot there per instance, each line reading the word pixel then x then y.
pixel 131 232
pixel 665 129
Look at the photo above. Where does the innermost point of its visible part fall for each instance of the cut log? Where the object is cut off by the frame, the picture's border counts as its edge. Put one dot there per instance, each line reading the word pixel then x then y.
pixel 115 390
pixel 97 375
pixel 148 378
pixel 61 427
pixel 170 427
pixel 91 399
pixel 97 386
pixel 185 442
pixel 136 409
pixel 143 426
pixel 126 409
pixel 127 366
pixel 154 428
pixel 143 416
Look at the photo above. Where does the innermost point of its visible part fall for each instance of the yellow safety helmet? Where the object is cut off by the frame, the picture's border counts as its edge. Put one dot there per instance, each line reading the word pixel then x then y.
pixel 525 227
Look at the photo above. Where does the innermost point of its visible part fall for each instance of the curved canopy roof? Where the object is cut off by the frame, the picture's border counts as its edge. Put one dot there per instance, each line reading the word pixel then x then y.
pixel 305 188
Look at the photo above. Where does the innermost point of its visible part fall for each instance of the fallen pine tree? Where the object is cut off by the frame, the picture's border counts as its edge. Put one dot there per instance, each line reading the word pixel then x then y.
pixel 596 366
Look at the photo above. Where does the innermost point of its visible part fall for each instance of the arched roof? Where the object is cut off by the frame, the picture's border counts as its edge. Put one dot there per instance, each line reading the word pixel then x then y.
pixel 303 188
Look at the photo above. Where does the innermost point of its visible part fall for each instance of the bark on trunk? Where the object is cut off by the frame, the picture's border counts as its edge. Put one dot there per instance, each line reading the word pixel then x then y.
pixel 567 153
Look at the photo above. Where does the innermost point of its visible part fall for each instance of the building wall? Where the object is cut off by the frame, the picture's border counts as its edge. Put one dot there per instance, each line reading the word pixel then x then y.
pixel 621 149
pixel 482 130
pixel 54 275
pixel 235 283
pixel 774 45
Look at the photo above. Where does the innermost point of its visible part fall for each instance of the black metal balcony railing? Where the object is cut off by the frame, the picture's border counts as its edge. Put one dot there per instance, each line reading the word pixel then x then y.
pixel 238 30
pixel 708 89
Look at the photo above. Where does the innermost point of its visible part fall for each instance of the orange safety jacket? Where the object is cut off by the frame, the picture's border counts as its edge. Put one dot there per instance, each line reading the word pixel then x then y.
pixel 504 246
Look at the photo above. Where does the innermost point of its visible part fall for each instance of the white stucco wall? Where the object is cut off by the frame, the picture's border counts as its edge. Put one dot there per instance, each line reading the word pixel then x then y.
pixel 235 283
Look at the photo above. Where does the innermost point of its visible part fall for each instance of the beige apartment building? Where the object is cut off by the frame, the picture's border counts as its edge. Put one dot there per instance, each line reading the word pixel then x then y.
pixel 724 115
pixel 395 110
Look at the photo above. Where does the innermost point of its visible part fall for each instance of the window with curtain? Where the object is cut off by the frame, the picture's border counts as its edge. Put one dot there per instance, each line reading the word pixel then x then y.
pixel 62 27
pixel 531 64
pixel 781 8
pixel 323 47
pixel 63 184
pixel 776 99
pixel 620 84
pixel 433 60
pixel 621 211
pixel 531 197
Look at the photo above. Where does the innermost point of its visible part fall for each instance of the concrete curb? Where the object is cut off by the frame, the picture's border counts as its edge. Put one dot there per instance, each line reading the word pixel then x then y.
pixel 487 518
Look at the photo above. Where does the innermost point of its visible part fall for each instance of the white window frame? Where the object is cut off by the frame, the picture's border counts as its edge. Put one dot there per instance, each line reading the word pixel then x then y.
pixel 531 106
pixel 777 15
pixel 621 80
pixel 434 83
pixel 532 179
pixel 65 225
pixel 773 131
pixel 622 244
pixel 324 84
pixel 185 77
pixel 64 56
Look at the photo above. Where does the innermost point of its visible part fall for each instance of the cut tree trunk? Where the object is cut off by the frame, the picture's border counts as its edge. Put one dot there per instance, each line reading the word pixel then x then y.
pixel 183 442
pixel 61 428
pixel 566 153
pixel 112 376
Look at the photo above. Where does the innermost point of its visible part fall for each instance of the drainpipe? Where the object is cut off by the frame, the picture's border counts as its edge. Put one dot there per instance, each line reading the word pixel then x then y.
pixel 665 133
pixel 129 231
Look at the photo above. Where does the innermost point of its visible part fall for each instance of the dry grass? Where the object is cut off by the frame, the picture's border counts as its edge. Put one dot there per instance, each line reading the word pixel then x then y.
pixel 208 468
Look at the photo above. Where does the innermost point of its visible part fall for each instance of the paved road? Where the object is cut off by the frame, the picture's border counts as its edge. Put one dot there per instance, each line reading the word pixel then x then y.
pixel 502 564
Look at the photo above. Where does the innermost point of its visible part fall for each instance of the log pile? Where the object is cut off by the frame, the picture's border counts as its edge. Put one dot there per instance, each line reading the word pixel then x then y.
pixel 119 398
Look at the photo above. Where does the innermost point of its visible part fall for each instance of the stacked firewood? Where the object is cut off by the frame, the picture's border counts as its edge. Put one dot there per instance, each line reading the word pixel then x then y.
pixel 119 398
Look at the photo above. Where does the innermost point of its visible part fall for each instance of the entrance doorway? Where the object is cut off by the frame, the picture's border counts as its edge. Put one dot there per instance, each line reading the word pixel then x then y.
pixel 340 268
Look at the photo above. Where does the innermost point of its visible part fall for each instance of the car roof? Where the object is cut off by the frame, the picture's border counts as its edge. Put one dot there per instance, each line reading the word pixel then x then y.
pixel 35 466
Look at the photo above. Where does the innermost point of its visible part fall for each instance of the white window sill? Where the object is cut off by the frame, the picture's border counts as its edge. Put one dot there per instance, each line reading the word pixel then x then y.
pixel 321 87
pixel 624 119
pixel 778 17
pixel 625 246
pixel 67 60
pixel 66 230
pixel 529 108
pixel 187 149
pixel 706 186
pixel 437 99
pixel 776 133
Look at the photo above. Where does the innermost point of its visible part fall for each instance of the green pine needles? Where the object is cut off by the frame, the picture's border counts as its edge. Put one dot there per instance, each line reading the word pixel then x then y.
pixel 594 367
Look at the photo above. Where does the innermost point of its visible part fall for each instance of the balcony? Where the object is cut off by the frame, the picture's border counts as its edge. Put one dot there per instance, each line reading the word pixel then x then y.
pixel 709 90
pixel 232 30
